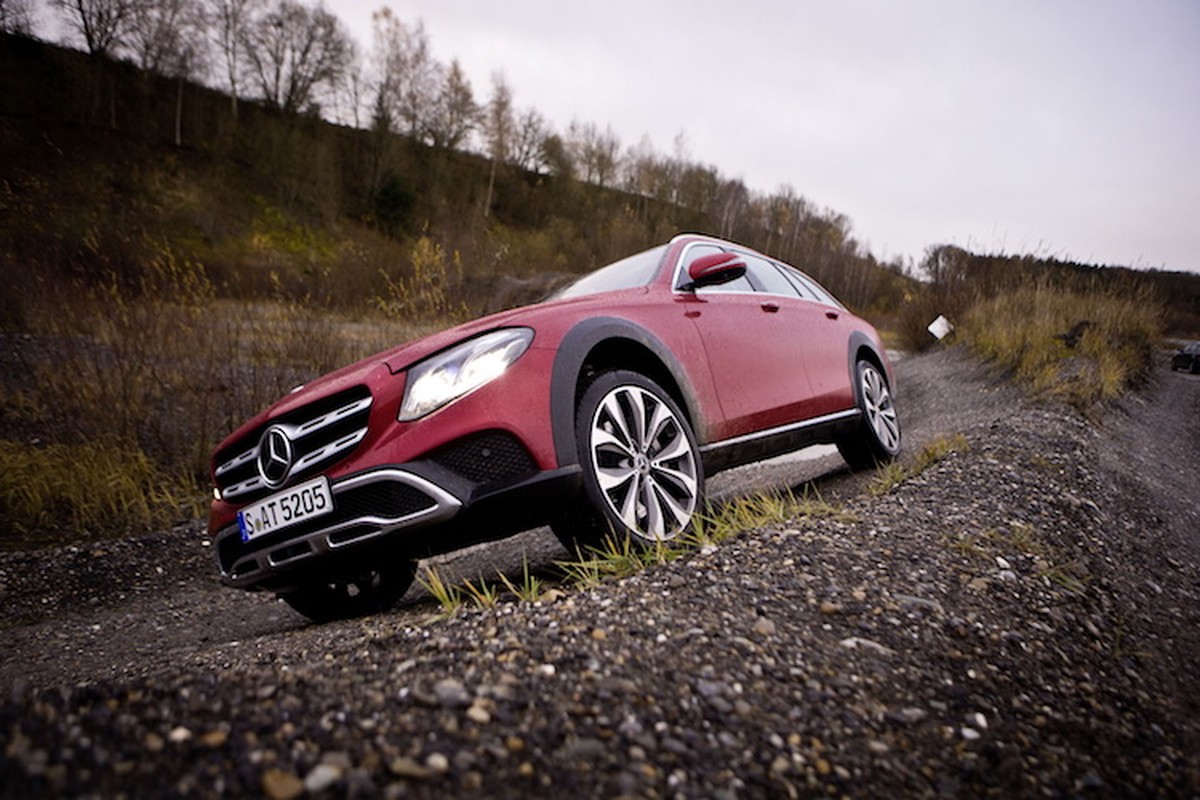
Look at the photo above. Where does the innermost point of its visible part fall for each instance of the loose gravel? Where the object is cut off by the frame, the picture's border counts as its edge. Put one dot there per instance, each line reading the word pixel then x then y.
pixel 1018 619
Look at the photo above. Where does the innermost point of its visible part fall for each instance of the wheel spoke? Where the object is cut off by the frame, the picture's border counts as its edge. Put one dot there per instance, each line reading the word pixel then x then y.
pixel 612 477
pixel 628 511
pixel 683 481
pixel 605 440
pixel 680 513
pixel 613 411
pixel 654 519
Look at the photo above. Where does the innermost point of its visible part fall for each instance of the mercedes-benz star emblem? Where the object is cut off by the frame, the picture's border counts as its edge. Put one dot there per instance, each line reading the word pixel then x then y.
pixel 274 456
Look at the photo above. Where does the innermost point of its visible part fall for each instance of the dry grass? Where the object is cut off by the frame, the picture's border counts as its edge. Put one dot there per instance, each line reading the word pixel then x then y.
pixel 1024 331
pixel 152 372
pixel 87 491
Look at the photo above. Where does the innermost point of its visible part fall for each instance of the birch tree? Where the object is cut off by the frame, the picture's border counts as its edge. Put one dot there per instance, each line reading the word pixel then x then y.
pixel 227 23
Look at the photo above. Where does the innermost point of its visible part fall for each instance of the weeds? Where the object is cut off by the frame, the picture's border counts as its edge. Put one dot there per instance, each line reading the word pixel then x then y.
pixel 530 588
pixel 1082 347
pixel 894 473
pixel 619 557
pixel 448 596
pixel 485 594
pixel 87 488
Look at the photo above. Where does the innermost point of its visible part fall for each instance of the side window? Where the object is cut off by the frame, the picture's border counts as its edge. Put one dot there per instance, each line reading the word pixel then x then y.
pixel 810 288
pixel 768 279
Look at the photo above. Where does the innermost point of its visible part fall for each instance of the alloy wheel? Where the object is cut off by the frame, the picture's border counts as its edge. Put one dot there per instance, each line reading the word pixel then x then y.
pixel 644 462
pixel 880 411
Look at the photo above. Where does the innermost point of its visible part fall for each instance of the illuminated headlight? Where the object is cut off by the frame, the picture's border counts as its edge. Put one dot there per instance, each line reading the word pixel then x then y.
pixel 448 376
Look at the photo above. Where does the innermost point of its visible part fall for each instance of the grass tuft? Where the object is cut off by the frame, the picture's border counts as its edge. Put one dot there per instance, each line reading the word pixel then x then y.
pixel 890 475
pixel 448 596
pixel 529 590
pixel 619 557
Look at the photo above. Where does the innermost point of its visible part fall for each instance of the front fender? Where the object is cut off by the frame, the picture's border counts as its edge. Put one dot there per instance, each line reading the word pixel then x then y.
pixel 569 363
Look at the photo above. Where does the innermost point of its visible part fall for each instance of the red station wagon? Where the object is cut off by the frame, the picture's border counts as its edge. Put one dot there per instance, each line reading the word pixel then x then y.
pixel 598 412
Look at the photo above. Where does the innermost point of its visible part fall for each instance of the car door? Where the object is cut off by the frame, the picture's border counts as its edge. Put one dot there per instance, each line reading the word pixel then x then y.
pixel 825 326
pixel 756 363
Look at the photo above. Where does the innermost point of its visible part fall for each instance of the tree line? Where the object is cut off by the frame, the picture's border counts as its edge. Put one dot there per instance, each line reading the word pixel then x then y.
pixel 299 59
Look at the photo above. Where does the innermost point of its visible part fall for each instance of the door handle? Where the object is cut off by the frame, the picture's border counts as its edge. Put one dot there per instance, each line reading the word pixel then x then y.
pixel 770 307
pixel 831 314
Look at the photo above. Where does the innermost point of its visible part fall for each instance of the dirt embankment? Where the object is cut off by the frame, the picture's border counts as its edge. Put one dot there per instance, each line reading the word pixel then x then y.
pixel 1018 619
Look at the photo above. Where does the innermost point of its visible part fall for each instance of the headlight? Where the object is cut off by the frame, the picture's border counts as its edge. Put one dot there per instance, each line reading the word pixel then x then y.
pixel 448 376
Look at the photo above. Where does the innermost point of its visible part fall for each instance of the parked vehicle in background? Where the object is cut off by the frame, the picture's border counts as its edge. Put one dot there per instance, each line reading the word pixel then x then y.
pixel 1187 358
pixel 599 412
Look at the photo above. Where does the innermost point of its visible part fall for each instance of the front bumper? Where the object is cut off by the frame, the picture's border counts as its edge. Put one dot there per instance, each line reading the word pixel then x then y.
pixel 407 511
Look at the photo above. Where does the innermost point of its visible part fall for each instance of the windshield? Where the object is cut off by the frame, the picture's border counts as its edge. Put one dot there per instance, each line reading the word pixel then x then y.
pixel 636 270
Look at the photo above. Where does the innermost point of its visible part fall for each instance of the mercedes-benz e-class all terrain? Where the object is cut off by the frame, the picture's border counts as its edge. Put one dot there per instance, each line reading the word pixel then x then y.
pixel 598 412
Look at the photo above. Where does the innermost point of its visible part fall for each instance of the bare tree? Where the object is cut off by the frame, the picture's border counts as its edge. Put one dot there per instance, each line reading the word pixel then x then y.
pixel 227 22
pixel 455 113
pixel 498 131
pixel 529 141
pixel 408 79
pixel 16 16
pixel 158 33
pixel 733 199
pixel 596 153
pixel 354 87
pixel 293 50
pixel 103 24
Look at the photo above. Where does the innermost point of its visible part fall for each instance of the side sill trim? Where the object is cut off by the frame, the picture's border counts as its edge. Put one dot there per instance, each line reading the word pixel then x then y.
pixel 782 430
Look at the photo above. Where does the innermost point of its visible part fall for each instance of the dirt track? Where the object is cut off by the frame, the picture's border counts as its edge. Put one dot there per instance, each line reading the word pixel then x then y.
pixel 1020 618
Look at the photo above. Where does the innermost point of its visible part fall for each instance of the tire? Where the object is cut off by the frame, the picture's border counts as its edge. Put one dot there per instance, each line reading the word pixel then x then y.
pixel 642 477
pixel 877 438
pixel 372 592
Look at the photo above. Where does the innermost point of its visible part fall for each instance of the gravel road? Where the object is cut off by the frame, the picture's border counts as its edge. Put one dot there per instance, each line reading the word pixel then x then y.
pixel 1020 618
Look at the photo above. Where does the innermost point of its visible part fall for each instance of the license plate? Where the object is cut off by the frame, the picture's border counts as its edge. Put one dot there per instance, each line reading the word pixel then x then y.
pixel 302 502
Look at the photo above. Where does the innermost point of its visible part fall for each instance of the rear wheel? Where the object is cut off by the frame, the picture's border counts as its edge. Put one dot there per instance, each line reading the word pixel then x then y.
pixel 877 438
pixel 642 477
pixel 370 592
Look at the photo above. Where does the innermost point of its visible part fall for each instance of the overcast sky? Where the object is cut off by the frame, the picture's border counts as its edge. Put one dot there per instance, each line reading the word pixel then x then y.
pixel 1064 128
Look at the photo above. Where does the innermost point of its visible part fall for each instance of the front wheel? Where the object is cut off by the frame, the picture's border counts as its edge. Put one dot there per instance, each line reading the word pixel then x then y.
pixel 877 438
pixel 642 476
pixel 369 592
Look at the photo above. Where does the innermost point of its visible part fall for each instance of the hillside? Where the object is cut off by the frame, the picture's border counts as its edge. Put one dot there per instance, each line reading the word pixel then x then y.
pixel 104 165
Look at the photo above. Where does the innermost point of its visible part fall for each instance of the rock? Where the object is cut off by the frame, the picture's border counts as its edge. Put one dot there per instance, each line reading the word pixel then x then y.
pixel 764 627
pixel 856 642
pixel 583 749
pixel 321 778
pixel 478 714
pixel 910 601
pixel 405 767
pixel 280 785
pixel 437 763
pixel 451 693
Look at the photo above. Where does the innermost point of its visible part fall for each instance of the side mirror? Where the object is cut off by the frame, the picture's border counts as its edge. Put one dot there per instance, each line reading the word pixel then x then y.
pixel 713 270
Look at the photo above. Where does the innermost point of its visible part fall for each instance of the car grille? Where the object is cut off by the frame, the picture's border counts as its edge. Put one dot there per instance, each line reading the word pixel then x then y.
pixel 486 458
pixel 320 433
